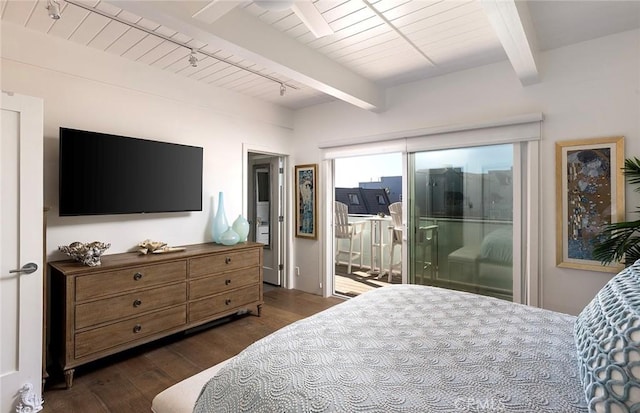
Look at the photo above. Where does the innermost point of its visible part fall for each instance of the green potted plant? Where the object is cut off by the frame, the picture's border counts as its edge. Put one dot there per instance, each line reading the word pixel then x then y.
pixel 621 240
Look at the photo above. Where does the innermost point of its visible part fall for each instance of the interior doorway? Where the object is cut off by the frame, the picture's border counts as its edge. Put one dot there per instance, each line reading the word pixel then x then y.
pixel 265 211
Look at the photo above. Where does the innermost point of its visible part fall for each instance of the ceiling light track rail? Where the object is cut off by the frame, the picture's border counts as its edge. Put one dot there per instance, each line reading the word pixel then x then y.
pixel 192 57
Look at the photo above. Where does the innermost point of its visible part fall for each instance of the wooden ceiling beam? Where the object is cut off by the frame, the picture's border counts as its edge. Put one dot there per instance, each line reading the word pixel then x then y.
pixel 512 23
pixel 267 47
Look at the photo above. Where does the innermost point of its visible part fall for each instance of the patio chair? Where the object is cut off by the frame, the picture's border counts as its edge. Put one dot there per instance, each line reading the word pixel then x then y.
pixel 347 231
pixel 395 210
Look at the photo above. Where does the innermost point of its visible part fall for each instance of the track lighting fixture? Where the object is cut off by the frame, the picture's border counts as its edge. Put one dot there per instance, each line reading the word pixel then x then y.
pixel 193 59
pixel 53 7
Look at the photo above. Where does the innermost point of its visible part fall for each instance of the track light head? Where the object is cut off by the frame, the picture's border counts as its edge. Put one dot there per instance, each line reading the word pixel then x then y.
pixel 283 89
pixel 193 59
pixel 53 7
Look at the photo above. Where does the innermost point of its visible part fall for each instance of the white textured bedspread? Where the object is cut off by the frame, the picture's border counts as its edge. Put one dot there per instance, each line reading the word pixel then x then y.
pixel 408 348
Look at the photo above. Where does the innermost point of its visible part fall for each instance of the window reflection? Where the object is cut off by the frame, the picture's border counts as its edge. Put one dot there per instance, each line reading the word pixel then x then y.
pixel 466 196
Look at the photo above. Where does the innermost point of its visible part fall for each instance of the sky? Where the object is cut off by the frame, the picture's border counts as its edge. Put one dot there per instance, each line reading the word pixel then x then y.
pixel 349 172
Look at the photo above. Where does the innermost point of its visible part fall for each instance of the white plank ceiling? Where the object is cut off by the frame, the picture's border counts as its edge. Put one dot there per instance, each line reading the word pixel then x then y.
pixel 375 44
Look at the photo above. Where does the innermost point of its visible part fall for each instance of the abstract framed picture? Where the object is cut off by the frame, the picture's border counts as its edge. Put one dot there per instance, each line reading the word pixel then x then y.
pixel 589 195
pixel 306 201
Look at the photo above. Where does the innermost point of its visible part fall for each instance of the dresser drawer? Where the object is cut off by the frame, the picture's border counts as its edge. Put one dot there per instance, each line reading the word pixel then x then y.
pixel 96 340
pixel 132 278
pixel 215 264
pixel 203 287
pixel 208 307
pixel 128 305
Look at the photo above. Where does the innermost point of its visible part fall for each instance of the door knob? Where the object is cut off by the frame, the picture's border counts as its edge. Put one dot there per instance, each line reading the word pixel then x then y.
pixel 26 269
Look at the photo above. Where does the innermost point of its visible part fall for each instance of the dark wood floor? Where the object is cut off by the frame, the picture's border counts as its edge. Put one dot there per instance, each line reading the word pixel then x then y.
pixel 129 381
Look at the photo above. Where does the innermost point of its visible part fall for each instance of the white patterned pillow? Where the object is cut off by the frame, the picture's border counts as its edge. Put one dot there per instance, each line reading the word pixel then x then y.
pixel 607 334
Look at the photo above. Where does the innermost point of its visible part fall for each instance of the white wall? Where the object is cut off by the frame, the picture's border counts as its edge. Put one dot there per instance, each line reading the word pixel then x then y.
pixel 591 89
pixel 87 89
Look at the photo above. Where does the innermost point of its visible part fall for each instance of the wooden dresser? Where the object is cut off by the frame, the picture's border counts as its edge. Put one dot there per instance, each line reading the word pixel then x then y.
pixel 133 299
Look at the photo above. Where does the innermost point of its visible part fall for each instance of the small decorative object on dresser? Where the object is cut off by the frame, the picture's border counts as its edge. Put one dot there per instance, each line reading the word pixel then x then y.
pixel 147 246
pixel 156 247
pixel 229 237
pixel 132 299
pixel 241 227
pixel 220 223
pixel 88 254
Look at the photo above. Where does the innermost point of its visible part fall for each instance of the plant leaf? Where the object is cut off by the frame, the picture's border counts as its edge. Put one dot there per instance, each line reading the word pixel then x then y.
pixel 615 240
pixel 631 170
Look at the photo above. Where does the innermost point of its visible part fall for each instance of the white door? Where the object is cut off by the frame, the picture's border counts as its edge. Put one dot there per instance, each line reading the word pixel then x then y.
pixel 265 196
pixel 21 210
pixel 272 258
pixel 277 166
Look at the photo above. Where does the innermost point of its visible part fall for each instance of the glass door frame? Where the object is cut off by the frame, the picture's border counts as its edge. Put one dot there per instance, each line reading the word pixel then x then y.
pixel 523 131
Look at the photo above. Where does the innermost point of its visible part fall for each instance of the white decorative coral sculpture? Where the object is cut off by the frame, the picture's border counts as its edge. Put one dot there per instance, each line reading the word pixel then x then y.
pixel 29 402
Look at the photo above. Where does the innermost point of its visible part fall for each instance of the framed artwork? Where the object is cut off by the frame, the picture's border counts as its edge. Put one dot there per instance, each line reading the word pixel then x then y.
pixel 306 201
pixel 589 195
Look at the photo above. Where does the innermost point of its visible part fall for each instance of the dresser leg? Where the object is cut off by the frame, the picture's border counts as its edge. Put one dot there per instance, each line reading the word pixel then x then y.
pixel 259 309
pixel 68 377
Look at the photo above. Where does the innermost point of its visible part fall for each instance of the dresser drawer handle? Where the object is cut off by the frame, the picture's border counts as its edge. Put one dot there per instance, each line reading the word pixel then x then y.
pixel 137 276
pixel 227 260
pixel 137 328
pixel 227 282
pixel 227 301
pixel 137 303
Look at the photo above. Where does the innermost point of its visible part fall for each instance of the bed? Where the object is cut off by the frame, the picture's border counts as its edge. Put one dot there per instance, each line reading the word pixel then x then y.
pixel 406 348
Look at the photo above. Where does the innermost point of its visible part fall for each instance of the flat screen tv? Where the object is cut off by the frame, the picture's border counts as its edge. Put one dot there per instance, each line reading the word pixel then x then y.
pixel 102 174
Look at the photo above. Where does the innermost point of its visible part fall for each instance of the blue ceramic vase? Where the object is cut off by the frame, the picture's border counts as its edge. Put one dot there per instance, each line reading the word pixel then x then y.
pixel 241 227
pixel 229 237
pixel 220 223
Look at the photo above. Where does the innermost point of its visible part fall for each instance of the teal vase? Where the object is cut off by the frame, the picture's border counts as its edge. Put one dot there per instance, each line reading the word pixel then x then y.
pixel 220 223
pixel 241 227
pixel 229 237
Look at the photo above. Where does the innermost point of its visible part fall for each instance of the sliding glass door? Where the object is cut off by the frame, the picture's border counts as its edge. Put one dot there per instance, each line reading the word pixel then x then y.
pixel 461 210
